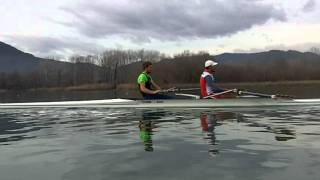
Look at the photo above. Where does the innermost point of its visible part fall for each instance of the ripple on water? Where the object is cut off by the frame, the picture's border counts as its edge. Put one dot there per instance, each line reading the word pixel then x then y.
pixel 123 143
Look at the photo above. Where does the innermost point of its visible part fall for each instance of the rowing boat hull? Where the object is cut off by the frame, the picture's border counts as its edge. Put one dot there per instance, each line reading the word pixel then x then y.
pixel 182 103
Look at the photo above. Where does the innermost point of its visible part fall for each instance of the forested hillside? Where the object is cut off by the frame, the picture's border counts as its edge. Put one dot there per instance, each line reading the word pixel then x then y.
pixel 19 70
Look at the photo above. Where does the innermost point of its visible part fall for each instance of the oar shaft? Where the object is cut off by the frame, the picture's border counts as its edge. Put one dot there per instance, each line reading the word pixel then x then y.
pixel 218 94
pixel 189 89
pixel 257 94
pixel 174 89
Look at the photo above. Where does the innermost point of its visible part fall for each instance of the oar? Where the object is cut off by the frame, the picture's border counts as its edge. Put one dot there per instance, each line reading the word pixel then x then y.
pixel 256 94
pixel 188 89
pixel 175 89
pixel 170 89
pixel 273 96
pixel 218 94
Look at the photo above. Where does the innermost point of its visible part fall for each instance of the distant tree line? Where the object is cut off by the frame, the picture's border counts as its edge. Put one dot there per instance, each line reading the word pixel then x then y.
pixel 115 66
pixel 187 67
pixel 79 70
pixel 315 50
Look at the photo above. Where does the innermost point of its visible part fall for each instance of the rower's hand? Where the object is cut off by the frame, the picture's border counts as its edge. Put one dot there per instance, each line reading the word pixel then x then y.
pixel 156 91
pixel 237 91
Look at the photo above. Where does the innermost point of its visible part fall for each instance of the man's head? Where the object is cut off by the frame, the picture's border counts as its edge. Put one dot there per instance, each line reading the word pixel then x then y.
pixel 210 66
pixel 147 67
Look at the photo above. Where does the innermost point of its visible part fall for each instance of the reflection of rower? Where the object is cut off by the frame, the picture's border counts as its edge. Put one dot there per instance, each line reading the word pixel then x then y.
pixel 146 134
pixel 146 126
pixel 208 124
pixel 209 121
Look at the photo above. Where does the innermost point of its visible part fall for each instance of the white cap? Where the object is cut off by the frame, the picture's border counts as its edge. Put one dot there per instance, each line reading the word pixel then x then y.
pixel 210 63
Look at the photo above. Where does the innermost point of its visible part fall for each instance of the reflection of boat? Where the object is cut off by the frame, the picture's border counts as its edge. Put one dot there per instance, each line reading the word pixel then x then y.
pixel 174 103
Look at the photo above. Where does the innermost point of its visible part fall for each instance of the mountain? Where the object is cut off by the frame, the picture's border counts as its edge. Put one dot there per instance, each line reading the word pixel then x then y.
pixel 268 56
pixel 14 60
pixel 22 70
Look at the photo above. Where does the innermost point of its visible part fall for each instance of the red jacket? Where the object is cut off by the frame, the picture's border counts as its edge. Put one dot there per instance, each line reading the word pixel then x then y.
pixel 203 85
pixel 209 88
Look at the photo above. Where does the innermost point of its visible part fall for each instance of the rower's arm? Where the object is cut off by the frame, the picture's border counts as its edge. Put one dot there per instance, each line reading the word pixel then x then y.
pixel 146 90
pixel 156 86
pixel 211 85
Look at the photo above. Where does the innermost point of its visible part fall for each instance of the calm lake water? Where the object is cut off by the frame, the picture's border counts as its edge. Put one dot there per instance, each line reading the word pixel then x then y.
pixel 99 143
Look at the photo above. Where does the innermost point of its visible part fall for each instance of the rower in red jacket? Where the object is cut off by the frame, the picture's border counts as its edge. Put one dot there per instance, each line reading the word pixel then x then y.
pixel 207 81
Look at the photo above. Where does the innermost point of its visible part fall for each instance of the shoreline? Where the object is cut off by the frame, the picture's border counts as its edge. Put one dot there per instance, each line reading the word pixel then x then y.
pixel 107 87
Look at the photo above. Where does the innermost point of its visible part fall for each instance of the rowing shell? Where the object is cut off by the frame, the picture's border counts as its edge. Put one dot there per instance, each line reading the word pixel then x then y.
pixel 176 103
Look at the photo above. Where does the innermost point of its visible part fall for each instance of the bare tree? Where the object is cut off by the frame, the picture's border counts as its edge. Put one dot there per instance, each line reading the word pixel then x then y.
pixel 315 50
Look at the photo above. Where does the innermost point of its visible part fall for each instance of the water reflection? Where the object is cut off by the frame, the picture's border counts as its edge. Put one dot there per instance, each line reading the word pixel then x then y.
pixel 210 121
pixel 146 134
pixel 147 126
pixel 12 130
pixel 100 143
pixel 282 132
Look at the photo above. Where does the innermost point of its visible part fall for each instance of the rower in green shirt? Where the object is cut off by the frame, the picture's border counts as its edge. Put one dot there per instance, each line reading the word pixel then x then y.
pixel 148 88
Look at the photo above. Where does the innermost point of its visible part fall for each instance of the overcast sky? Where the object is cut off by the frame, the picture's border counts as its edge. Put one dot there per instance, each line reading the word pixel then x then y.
pixel 67 27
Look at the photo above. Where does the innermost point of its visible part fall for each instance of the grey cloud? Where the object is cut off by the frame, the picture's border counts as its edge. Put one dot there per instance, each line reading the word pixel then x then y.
pixel 309 6
pixel 169 20
pixel 48 46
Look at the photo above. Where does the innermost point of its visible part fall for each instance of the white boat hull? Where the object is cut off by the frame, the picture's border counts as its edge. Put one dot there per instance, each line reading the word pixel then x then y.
pixel 177 103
